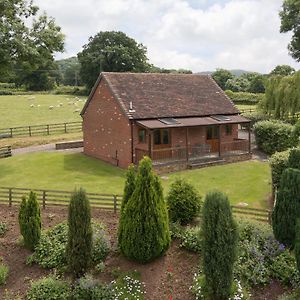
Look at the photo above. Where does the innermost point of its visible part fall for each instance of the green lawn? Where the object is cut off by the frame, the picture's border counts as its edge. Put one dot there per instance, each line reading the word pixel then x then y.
pixel 22 110
pixel 243 182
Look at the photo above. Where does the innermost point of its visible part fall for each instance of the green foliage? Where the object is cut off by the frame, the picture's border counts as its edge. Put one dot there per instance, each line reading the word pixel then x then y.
pixel 244 97
pixel 30 221
pixel 145 226
pixel 290 22
pixel 70 90
pixel 111 51
pixel 219 245
pixel 297 245
pixel 49 288
pixel 88 288
pixel 273 136
pixel 69 69
pixel 255 117
pixel 79 245
pixel 3 228
pixel 237 84
pixel 51 250
pixel 282 96
pixel 295 295
pixel 282 70
pixel 191 239
pixel 287 207
pixel 129 186
pixel 221 76
pixel 128 286
pixel 284 269
pixel 294 158
pixel 184 202
pixel 279 161
pixel 4 269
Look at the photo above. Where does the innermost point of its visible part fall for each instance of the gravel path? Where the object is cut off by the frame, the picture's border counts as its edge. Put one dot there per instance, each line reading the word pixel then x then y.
pixel 43 148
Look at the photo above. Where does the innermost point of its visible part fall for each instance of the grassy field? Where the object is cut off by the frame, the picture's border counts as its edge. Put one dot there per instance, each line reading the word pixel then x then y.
pixel 243 182
pixel 22 110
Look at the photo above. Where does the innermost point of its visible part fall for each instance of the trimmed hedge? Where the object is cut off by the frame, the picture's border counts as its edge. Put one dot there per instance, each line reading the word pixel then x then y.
pixel 278 162
pixel 244 97
pixel 255 117
pixel 273 136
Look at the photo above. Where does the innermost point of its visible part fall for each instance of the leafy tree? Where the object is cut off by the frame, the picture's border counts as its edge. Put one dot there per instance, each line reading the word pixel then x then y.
pixel 237 84
pixel 297 244
pixel 282 97
pixel 287 207
pixel 145 225
pixel 111 51
pixel 30 221
pixel 79 245
pixel 69 69
pixel 256 82
pixel 184 202
pixel 290 21
pixel 221 76
pixel 219 245
pixel 282 70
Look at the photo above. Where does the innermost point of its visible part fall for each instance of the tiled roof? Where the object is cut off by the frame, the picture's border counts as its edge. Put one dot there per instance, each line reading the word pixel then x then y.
pixel 155 95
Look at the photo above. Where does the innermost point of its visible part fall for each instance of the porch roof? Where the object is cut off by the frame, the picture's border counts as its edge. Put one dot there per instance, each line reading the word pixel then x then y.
pixel 193 121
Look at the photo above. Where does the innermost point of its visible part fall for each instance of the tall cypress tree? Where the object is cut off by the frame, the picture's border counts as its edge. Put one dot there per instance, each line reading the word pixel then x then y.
pixel 219 245
pixel 79 245
pixel 145 226
pixel 128 191
pixel 297 244
pixel 287 207
pixel 30 221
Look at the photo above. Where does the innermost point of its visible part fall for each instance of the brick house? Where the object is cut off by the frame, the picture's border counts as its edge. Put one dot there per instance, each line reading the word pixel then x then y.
pixel 176 119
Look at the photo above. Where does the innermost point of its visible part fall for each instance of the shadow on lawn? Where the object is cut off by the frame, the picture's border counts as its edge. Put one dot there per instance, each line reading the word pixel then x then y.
pixel 92 166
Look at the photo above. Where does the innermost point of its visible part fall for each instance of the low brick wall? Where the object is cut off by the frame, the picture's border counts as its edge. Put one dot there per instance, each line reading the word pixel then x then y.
pixel 68 145
pixel 175 167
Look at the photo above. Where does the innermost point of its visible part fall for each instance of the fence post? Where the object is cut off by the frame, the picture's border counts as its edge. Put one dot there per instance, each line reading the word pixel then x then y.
pixel 44 199
pixel 11 132
pixel 115 203
pixel 48 132
pixel 65 127
pixel 10 197
pixel 29 130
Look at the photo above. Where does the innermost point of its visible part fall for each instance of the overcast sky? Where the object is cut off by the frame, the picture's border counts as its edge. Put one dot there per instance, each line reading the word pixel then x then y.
pixel 199 35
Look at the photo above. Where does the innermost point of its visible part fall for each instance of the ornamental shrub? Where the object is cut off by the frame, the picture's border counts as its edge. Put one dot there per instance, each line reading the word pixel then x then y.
pixel 3 228
pixel 287 207
pixel 4 269
pixel 294 158
pixel 30 221
pixel 279 162
pixel 273 136
pixel 219 245
pixel 244 97
pixel 88 288
pixel 49 288
pixel 184 202
pixel 145 225
pixel 79 245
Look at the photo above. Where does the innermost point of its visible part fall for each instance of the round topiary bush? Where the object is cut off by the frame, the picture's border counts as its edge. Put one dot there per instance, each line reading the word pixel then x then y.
pixel 184 202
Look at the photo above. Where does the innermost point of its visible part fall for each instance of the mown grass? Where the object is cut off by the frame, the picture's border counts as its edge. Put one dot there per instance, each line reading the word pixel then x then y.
pixel 243 182
pixel 22 110
pixel 246 107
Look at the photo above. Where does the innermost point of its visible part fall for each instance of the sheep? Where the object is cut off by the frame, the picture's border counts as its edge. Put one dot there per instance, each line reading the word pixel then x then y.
pixel 31 105
pixel 76 110
pixel 51 107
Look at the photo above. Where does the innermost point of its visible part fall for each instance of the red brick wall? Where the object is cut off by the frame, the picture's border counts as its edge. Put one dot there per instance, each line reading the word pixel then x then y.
pixel 106 129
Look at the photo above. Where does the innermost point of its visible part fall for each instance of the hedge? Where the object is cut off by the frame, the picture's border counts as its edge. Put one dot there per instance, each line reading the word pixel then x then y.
pixel 278 162
pixel 244 97
pixel 274 136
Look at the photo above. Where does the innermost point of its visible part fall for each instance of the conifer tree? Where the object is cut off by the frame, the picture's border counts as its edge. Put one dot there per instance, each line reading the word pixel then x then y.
pixel 219 245
pixel 79 245
pixel 287 207
pixel 30 221
pixel 145 226
pixel 294 158
pixel 297 244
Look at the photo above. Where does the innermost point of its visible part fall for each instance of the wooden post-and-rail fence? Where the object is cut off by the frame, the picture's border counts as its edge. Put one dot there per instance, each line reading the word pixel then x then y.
pixel 12 196
pixel 5 151
pixel 38 130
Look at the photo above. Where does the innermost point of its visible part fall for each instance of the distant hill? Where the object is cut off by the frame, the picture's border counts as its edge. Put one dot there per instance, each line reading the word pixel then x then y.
pixel 233 72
